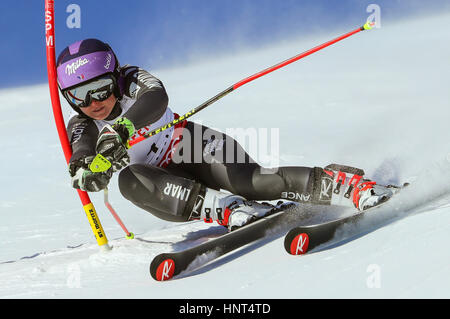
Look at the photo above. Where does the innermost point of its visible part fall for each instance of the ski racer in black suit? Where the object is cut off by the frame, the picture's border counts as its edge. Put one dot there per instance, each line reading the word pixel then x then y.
pixel 186 172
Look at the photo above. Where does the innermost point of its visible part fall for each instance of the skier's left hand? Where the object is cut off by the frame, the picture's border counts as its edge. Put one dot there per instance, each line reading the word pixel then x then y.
pixel 111 143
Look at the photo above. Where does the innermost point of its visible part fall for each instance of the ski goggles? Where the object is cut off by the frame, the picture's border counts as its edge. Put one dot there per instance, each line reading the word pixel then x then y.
pixel 99 90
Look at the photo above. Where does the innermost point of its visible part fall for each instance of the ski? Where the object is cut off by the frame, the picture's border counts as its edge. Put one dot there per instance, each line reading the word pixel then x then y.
pixel 302 239
pixel 167 265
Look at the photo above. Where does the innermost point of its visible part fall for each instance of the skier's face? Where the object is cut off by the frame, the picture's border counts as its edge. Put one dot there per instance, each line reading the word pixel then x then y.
pixel 100 110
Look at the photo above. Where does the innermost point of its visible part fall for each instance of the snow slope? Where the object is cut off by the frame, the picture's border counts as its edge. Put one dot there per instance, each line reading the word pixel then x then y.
pixel 378 100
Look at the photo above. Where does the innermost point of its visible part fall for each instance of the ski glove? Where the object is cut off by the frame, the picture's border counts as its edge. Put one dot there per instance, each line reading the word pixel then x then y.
pixel 112 142
pixel 83 178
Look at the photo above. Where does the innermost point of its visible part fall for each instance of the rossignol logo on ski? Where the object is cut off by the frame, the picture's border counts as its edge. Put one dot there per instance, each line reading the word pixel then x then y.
pixel 73 67
pixel 299 244
pixel 177 191
pixel 165 270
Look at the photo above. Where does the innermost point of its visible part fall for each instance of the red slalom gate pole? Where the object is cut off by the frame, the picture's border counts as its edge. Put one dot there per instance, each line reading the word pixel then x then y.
pixel 88 207
pixel 237 85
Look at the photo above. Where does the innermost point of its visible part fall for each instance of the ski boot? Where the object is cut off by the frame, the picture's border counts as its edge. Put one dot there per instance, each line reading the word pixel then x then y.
pixel 345 186
pixel 229 210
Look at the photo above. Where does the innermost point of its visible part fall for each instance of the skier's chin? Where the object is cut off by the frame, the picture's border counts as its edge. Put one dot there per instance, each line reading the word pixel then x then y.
pixel 100 113
pixel 100 110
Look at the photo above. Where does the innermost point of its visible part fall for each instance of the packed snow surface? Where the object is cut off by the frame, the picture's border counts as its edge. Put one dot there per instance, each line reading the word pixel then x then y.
pixel 378 100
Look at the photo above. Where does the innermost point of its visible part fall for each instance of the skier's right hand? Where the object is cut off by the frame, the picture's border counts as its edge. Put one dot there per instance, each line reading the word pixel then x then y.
pixel 111 143
pixel 83 178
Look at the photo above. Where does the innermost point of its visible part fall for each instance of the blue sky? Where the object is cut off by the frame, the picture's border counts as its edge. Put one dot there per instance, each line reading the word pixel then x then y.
pixel 162 33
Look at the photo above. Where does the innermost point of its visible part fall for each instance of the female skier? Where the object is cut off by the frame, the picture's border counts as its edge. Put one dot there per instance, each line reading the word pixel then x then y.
pixel 182 173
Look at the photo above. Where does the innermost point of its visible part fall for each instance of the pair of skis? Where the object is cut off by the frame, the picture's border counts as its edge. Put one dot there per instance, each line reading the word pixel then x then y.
pixel 298 241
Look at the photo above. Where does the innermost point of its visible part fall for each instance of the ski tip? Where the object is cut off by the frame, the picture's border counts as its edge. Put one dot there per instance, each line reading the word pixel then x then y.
pixel 162 269
pixel 296 243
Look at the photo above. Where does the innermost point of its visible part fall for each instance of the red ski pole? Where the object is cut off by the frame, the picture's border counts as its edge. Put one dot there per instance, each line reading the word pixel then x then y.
pixel 130 235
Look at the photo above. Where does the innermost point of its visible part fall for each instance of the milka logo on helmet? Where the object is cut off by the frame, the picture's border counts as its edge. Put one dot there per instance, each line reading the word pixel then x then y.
pixel 108 61
pixel 72 68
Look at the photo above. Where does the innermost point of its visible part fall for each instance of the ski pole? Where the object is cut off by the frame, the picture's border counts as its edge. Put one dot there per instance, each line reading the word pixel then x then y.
pixel 101 164
pixel 130 235
pixel 235 86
